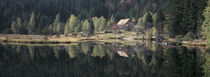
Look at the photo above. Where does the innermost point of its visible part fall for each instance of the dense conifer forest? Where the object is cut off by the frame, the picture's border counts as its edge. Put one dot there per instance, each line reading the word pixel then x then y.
pixel 179 19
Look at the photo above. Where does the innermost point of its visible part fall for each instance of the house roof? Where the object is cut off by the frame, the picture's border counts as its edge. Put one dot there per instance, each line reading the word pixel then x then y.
pixel 122 53
pixel 122 21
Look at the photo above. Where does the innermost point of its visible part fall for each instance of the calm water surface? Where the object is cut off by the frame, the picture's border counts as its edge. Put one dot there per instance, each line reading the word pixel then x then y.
pixel 92 59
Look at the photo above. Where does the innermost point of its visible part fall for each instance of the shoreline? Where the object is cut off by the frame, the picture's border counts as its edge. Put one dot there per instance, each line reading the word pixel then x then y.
pixel 52 39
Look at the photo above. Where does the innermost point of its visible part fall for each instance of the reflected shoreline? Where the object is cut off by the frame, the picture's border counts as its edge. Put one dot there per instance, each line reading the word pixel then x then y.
pixel 94 59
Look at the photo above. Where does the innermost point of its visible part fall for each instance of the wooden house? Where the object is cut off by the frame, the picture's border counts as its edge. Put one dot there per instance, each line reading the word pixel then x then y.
pixel 125 24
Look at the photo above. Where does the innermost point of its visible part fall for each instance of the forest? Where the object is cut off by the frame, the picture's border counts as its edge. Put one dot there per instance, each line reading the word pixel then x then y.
pixel 178 19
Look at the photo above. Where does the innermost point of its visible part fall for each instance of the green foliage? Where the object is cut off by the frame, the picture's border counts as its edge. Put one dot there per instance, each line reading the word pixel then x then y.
pixel 98 50
pixel 85 48
pixel 56 23
pixel 206 23
pixel 155 19
pixel 17 26
pixel 158 22
pixel 66 29
pixel 46 10
pixel 110 23
pixel 31 24
pixel 78 29
pixel 102 25
pixel 72 24
pixel 148 18
pixel 185 16
pixel 96 23
pixel 58 28
pixel 87 27
pixel 72 51
pixel 155 31
pixel 189 36
pixel 140 22
pixel 149 33
pixel 179 37
pixel 146 21
pixel 99 24
pixel 14 27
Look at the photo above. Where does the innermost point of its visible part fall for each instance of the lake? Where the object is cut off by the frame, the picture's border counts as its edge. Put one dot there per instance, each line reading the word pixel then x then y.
pixel 98 59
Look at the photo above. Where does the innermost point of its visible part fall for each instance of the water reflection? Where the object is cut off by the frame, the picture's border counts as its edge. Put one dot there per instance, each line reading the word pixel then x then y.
pixel 103 60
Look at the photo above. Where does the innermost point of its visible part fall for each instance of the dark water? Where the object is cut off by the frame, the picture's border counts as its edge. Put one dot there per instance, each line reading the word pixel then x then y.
pixel 103 60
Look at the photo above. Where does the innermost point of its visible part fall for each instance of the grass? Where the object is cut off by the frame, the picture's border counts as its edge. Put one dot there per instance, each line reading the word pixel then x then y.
pixel 124 37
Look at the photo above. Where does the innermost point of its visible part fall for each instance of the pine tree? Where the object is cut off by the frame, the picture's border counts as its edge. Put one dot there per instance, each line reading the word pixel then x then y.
pixel 78 29
pixel 158 19
pixel 206 23
pixel 85 26
pixel 102 24
pixel 148 23
pixel 185 16
pixel 96 23
pixel 32 24
pixel 58 28
pixel 110 23
pixel 140 22
pixel 14 27
pixel 66 30
pixel 73 23
pixel 19 25
pixel 56 23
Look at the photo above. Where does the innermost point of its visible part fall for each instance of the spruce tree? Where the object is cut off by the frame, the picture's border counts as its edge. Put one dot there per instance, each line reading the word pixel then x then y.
pixel 184 16
pixel 31 24
pixel 102 24
pixel 73 23
pixel 158 21
pixel 148 23
pixel 85 26
pixel 19 25
pixel 66 30
pixel 56 23
pixel 206 23
pixel 14 27
pixel 110 23
pixel 58 28
pixel 96 23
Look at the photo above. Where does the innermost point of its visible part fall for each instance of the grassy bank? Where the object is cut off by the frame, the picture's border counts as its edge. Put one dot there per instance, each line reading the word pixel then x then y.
pixel 104 37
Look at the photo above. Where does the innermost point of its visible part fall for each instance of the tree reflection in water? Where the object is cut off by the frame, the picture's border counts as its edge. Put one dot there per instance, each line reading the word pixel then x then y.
pixel 102 60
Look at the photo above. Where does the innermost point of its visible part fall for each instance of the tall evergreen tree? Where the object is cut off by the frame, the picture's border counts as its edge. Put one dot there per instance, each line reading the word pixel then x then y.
pixel 31 24
pixel 73 22
pixel 102 25
pixel 158 21
pixel 19 25
pixel 96 23
pixel 66 29
pixel 58 28
pixel 185 16
pixel 148 23
pixel 206 23
pixel 56 23
pixel 111 22
pixel 14 27
pixel 85 26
